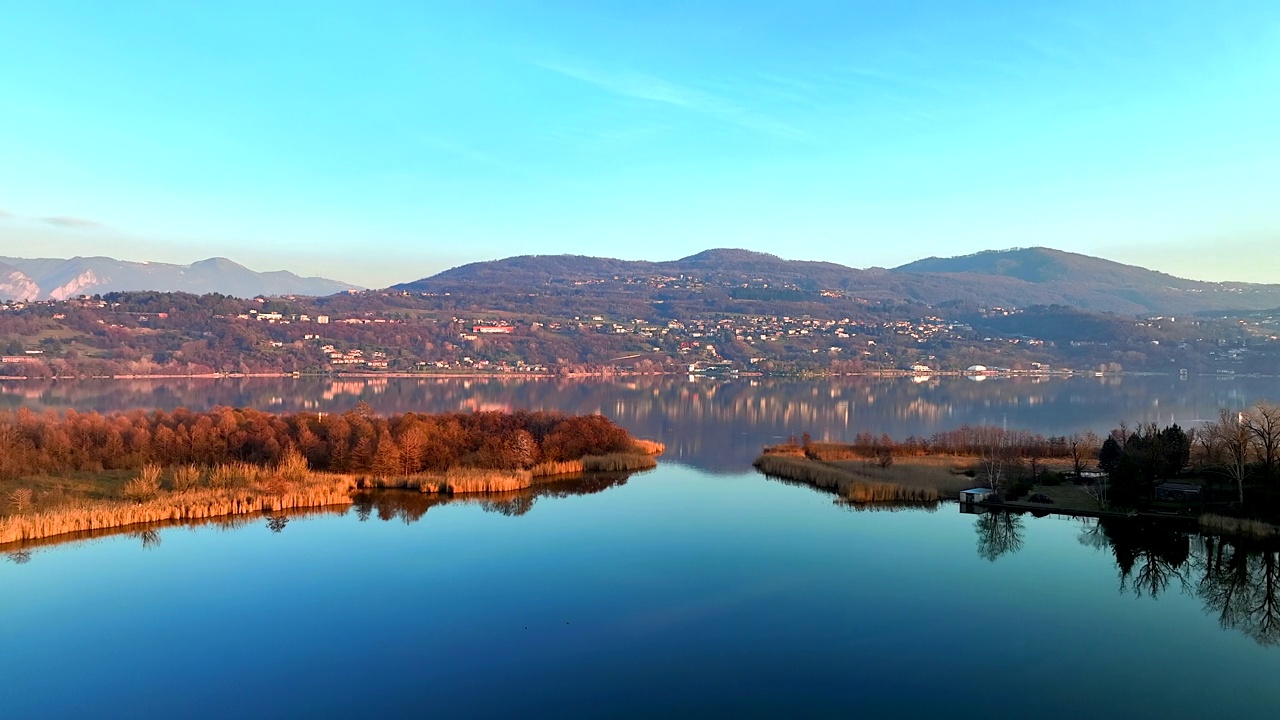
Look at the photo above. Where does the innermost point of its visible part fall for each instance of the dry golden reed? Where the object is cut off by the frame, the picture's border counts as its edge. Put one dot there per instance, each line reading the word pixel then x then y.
pixel 1237 526
pixel 845 483
pixel 185 477
pixel 145 486
pixel 617 462
pixel 561 467
pixel 648 447
pixel 195 504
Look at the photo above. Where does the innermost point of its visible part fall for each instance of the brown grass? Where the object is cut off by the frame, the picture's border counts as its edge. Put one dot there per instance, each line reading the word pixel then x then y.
pixel 145 486
pixel 471 480
pixel 617 462
pixel 856 487
pixel 316 491
pixel 648 447
pixel 943 475
pixel 785 449
pixel 562 467
pixel 1237 526
pixel 860 492
pixel 185 477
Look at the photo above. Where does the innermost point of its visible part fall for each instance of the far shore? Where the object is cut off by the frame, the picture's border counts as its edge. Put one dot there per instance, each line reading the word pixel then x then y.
pixel 806 375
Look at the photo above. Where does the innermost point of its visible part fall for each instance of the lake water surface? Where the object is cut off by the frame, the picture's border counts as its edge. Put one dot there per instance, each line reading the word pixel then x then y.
pixel 699 588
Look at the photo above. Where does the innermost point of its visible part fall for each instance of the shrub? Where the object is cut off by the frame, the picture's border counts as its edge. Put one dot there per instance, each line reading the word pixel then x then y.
pixel 1017 490
pixel 145 486
pixel 293 467
pixel 1052 479
pixel 222 476
pixel 20 499
pixel 185 477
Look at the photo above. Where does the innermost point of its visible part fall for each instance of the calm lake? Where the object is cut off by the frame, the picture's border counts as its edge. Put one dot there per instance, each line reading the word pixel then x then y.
pixel 699 588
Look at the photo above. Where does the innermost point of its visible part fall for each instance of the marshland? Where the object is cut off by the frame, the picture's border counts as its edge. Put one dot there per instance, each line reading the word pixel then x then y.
pixel 77 472
pixel 1223 473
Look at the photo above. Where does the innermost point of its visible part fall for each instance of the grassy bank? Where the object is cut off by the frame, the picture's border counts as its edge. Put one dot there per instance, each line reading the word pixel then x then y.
pixel 44 506
pixel 192 504
pixel 1222 525
pixel 858 482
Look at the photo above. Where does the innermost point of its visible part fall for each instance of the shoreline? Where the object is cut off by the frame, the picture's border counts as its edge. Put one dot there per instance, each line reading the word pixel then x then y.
pixel 323 490
pixel 896 374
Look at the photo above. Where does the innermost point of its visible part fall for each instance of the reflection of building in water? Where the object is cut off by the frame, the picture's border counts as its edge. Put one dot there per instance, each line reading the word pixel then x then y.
pixel 715 424
pixel 336 388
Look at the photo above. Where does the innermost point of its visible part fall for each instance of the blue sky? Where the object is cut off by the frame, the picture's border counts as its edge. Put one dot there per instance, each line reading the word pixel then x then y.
pixel 381 142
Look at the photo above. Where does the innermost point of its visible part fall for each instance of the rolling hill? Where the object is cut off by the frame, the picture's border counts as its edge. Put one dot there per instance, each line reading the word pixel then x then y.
pixel 58 279
pixel 1009 278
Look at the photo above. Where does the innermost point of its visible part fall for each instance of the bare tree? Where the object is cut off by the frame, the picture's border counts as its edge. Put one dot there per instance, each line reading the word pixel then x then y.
pixel 992 444
pixel 1263 422
pixel 1076 447
pixel 1235 441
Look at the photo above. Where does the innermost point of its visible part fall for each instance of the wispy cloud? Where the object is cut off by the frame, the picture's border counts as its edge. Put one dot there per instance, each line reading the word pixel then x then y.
pixel 649 88
pixel 65 221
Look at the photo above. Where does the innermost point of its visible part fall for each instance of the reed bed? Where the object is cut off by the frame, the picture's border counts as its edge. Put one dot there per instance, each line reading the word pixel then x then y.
pixel 241 488
pixel 785 449
pixel 561 467
pixel 458 481
pixel 1238 526
pixel 222 522
pixel 946 478
pixel 472 480
pixel 799 469
pixel 145 486
pixel 648 447
pixel 847 484
pixel 861 492
pixel 194 504
pixel 617 462
pixel 185 477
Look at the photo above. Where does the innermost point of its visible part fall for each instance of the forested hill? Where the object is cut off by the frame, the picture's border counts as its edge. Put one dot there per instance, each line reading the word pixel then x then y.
pixel 1011 278
pixel 727 265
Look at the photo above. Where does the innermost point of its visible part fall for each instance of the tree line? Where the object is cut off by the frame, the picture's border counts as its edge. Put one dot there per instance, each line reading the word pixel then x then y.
pixel 352 442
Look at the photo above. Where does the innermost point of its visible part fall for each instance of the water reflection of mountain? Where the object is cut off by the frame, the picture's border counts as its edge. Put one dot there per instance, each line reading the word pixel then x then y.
pixel 716 425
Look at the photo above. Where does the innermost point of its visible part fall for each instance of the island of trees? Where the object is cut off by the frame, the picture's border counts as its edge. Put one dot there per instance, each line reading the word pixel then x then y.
pixel 70 472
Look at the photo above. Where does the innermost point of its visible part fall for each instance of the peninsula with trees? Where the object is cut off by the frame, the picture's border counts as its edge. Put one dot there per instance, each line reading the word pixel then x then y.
pixel 1224 475
pixel 66 473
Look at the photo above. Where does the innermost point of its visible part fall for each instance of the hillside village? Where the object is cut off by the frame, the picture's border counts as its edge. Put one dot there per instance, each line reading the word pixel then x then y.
pixel 425 332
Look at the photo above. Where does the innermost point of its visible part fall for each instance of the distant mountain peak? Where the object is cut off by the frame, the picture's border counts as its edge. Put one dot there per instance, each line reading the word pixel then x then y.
pixel 729 255
pixel 217 263
pixel 1015 277
pixel 55 278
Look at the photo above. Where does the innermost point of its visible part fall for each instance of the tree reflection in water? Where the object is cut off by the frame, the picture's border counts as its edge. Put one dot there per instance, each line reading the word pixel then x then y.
pixel 1150 557
pixel 1237 579
pixel 410 506
pixel 150 538
pixel 999 533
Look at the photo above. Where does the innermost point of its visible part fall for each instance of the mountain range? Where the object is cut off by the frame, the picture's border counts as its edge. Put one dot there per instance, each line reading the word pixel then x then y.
pixel 1020 277
pixel 58 279
pixel 1005 278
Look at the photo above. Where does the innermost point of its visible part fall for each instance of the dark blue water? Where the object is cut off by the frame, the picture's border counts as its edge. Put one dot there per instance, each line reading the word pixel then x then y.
pixel 677 593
